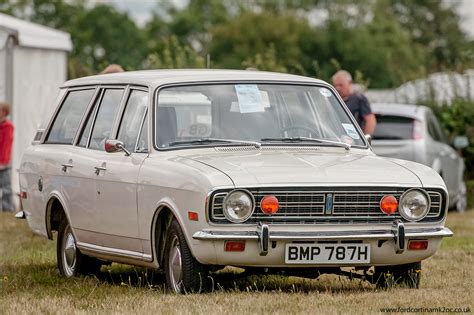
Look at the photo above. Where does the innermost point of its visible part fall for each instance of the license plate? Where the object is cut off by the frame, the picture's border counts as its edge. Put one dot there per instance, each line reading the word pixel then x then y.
pixel 327 253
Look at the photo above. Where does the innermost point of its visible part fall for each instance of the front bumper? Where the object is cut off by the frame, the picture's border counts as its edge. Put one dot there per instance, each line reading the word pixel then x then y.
pixel 264 236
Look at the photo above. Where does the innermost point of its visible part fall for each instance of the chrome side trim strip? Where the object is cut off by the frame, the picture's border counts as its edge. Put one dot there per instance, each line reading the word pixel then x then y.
pixel 114 251
pixel 208 235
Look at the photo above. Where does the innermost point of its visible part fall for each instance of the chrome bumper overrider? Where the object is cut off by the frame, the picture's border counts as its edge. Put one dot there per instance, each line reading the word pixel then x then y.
pixel 398 233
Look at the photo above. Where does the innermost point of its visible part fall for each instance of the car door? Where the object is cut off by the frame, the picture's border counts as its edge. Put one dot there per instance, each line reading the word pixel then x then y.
pixel 116 176
pixel 82 180
pixel 64 131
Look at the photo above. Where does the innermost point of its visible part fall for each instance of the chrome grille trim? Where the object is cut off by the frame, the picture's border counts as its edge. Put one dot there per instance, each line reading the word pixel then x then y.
pixel 308 205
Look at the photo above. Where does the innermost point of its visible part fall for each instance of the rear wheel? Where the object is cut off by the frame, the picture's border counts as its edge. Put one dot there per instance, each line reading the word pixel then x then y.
pixel 71 261
pixel 407 275
pixel 184 274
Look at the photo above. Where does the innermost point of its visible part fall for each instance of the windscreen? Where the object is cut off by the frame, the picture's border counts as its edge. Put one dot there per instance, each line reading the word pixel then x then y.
pixel 391 127
pixel 251 112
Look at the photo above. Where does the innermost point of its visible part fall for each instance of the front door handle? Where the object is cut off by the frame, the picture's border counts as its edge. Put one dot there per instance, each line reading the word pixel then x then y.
pixel 99 168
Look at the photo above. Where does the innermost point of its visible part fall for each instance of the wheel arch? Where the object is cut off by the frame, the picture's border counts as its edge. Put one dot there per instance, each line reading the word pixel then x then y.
pixel 162 219
pixel 55 211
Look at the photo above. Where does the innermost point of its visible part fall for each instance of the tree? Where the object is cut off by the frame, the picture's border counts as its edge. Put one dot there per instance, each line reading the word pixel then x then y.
pixel 250 35
pixel 435 26
pixel 174 55
pixel 100 34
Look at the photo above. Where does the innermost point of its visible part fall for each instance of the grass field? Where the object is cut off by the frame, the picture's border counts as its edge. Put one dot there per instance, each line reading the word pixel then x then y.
pixel 30 283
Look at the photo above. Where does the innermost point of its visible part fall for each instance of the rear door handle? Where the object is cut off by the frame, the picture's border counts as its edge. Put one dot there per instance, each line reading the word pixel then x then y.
pixel 65 167
pixel 99 168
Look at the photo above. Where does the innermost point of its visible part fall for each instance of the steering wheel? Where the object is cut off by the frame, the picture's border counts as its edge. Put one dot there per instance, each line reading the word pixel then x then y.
pixel 310 131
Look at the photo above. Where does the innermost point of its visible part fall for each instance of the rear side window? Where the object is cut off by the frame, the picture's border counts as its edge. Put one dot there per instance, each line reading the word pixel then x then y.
pixel 394 128
pixel 67 121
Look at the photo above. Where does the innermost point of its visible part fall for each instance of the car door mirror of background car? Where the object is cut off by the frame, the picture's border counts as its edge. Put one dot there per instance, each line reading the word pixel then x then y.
pixel 112 146
pixel 460 142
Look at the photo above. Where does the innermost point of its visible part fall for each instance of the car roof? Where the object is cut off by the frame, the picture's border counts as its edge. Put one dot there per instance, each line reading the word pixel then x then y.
pixel 161 77
pixel 403 110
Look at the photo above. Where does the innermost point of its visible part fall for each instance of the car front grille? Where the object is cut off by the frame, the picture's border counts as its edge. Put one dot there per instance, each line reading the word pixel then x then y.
pixel 323 205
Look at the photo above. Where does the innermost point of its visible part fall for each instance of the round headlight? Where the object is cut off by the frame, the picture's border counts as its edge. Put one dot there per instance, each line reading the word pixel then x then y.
pixel 238 206
pixel 414 205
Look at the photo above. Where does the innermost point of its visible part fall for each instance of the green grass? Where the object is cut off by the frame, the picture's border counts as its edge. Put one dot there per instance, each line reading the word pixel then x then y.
pixel 30 283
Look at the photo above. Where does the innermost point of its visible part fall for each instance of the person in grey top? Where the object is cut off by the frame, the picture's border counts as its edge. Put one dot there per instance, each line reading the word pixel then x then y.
pixel 355 101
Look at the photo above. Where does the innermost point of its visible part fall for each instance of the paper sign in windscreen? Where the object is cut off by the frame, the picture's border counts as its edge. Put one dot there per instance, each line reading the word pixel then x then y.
pixel 250 98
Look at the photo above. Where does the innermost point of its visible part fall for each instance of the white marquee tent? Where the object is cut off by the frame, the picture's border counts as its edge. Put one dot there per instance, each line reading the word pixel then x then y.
pixel 33 64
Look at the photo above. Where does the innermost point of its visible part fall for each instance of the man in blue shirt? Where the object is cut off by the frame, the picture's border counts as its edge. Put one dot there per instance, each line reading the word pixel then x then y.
pixel 355 101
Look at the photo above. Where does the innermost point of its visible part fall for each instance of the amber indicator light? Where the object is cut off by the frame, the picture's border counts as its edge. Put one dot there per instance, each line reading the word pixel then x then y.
pixel 388 204
pixel 193 216
pixel 269 205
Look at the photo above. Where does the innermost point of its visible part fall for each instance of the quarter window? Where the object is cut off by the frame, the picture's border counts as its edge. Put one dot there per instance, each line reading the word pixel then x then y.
pixel 67 121
pixel 87 129
pixel 133 118
pixel 104 121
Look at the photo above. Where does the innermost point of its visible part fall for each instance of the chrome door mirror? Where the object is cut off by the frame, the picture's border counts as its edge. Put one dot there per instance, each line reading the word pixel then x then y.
pixel 112 146
pixel 369 139
pixel 460 142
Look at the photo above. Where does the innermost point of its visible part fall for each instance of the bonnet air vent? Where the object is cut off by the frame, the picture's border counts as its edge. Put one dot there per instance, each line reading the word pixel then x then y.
pixel 266 148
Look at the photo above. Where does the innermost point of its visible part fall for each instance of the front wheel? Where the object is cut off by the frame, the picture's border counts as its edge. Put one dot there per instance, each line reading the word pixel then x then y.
pixel 71 261
pixel 184 274
pixel 407 275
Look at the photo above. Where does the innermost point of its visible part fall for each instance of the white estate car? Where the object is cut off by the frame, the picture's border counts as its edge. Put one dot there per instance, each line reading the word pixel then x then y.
pixel 192 170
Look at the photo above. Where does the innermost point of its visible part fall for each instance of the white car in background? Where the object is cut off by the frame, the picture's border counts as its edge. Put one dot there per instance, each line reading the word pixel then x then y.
pixel 412 132
pixel 192 170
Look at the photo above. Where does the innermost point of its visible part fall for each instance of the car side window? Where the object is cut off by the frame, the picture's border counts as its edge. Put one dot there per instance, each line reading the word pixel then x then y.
pixel 439 131
pixel 435 130
pixel 132 119
pixel 431 129
pixel 104 120
pixel 69 117
pixel 142 144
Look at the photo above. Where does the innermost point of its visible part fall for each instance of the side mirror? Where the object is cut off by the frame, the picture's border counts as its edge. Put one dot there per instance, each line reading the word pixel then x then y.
pixel 460 142
pixel 112 146
pixel 369 139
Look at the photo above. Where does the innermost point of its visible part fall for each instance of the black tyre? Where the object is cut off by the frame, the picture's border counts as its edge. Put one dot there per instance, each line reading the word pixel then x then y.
pixel 184 274
pixel 71 262
pixel 407 275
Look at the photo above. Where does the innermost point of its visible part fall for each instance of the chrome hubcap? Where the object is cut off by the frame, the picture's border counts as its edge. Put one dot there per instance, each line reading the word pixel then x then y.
pixel 175 265
pixel 69 254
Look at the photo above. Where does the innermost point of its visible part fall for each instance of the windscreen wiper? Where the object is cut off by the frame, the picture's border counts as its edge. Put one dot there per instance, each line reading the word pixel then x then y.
pixel 211 140
pixel 346 146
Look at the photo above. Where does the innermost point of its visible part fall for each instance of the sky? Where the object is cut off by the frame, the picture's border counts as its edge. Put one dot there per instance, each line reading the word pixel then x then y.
pixel 140 11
